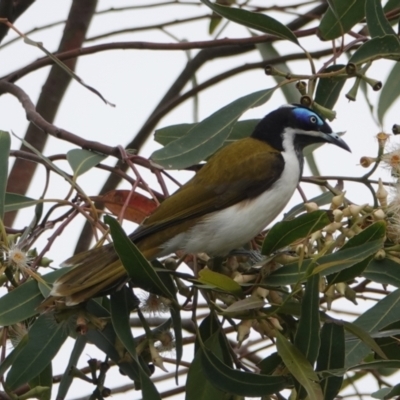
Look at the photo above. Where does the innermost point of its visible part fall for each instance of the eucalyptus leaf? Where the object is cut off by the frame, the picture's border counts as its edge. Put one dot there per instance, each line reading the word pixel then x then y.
pixel 383 313
pixel 137 267
pixel 20 304
pixel 387 46
pixel 67 378
pixel 286 232
pixel 240 130
pixel 45 338
pixel 220 281
pixel 106 340
pixel 299 367
pixel 43 380
pixel 364 337
pixel 14 202
pixel 249 303
pixel 377 23
pixel 121 306
pixel 385 272
pixel 5 145
pixel 329 89
pixel 340 17
pixel 196 378
pixel 238 382
pixel 82 161
pixel 331 356
pixel 307 338
pixel 209 135
pixel 390 92
pixel 258 21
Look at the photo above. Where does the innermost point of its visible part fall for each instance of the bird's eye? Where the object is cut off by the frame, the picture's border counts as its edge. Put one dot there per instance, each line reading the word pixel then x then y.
pixel 313 119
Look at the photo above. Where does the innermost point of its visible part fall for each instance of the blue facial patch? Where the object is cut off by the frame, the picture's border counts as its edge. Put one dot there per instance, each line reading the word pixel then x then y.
pixel 304 114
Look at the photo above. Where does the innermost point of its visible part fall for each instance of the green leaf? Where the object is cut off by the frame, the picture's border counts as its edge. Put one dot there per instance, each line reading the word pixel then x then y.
pixel 9 360
pixel 67 378
pixel 45 338
pixel 138 268
pixel 240 130
pixel 357 249
pixel 106 340
pixel 196 377
pixel 307 338
pixel 386 272
pixel 20 304
pixel 258 21
pixel 82 161
pixel 270 363
pixel 249 303
pixel 299 367
pixel 328 89
pixel 177 325
pixel 214 22
pixel 121 306
pixel 365 337
pixel 286 232
pixel 238 382
pixel 5 145
pixel 340 17
pixel 209 135
pixel 14 202
pixel 331 356
pixel 383 313
pixel 377 23
pixel 391 5
pixel 379 47
pixel 44 379
pixel 390 92
pixel 350 273
pixel 391 392
pixel 207 328
pixel 220 281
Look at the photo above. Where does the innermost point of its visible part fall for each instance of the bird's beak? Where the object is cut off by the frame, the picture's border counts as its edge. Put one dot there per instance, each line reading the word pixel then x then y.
pixel 334 138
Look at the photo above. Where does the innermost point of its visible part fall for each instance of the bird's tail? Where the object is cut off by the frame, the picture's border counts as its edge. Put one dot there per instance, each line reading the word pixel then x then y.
pixel 95 271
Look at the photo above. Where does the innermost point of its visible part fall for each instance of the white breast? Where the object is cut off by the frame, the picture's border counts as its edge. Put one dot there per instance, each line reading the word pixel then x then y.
pixel 232 227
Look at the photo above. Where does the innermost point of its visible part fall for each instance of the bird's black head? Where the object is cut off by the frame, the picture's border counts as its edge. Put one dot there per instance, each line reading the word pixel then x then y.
pixel 297 125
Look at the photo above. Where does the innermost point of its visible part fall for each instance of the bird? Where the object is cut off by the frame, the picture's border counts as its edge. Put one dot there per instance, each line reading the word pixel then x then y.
pixel 241 189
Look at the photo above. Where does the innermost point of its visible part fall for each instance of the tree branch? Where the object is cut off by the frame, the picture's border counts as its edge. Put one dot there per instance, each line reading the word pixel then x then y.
pixel 53 91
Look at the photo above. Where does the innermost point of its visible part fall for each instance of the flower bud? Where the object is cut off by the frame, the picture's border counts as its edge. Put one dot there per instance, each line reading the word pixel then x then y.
pixel 260 292
pixel 378 215
pixel 156 358
pixel 380 255
pixel 337 215
pixel 310 207
pixel 381 194
pixel 302 250
pixel 337 201
pixel 315 236
pixel 332 227
pixel 243 331
pixel 330 295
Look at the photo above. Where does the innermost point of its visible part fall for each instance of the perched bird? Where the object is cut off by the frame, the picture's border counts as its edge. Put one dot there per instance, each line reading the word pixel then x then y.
pixel 240 190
